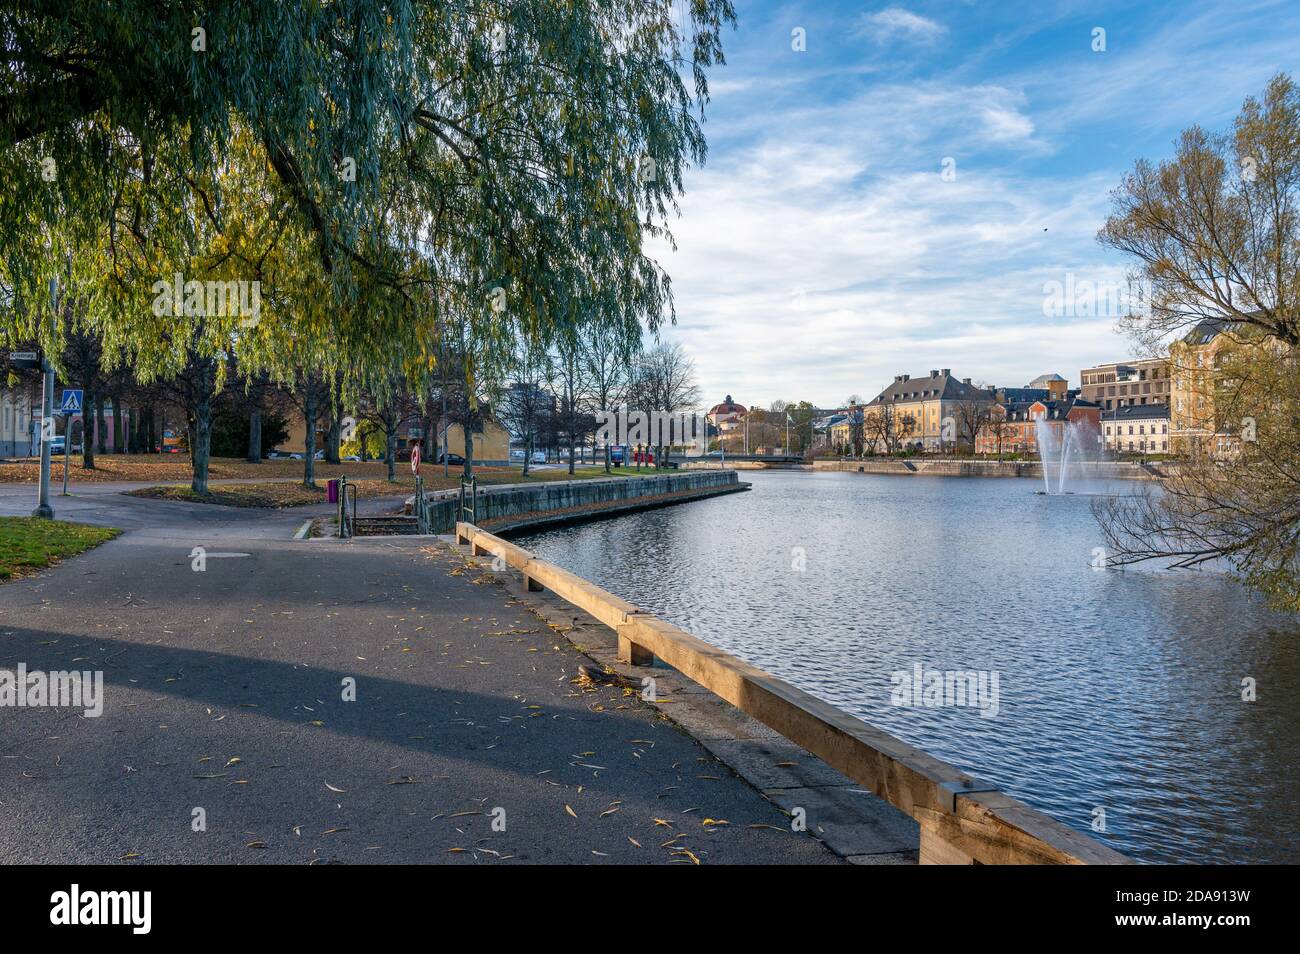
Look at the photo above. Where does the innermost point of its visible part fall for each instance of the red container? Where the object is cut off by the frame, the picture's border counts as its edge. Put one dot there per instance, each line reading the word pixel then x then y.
pixel 332 492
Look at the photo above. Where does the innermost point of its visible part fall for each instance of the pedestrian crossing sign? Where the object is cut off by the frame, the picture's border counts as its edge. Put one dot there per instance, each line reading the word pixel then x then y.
pixel 71 401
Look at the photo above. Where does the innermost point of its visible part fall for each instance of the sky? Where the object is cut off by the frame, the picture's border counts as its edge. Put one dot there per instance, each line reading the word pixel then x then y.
pixel 900 195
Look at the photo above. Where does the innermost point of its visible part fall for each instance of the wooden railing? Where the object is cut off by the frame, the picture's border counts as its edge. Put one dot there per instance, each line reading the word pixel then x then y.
pixel 962 820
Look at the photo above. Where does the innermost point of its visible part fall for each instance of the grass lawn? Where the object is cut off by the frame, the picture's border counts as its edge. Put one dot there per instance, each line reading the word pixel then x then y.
pixel 290 493
pixel 28 543
pixel 163 468
pixel 286 494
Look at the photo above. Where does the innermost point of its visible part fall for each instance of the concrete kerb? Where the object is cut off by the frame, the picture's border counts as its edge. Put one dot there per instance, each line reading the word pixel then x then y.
pixel 783 773
pixel 962 821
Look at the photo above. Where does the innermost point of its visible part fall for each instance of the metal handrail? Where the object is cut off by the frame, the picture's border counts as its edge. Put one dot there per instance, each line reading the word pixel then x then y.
pixel 468 513
pixel 347 527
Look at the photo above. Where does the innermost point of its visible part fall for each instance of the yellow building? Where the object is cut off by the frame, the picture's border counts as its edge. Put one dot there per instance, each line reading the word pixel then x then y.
pixel 1195 421
pixel 921 413
pixel 846 433
pixel 491 444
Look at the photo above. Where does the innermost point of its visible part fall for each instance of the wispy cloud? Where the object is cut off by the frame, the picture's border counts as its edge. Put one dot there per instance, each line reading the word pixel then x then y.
pixel 895 22
pixel 823 249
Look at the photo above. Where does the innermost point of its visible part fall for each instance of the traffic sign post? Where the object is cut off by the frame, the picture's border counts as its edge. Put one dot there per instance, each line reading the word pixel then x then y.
pixel 72 404
pixel 24 360
pixel 67 441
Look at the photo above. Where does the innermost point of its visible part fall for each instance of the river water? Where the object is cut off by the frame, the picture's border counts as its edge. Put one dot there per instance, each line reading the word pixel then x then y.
pixel 1119 694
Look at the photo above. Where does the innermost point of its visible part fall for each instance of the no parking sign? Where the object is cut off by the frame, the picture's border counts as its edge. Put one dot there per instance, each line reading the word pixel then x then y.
pixel 415 459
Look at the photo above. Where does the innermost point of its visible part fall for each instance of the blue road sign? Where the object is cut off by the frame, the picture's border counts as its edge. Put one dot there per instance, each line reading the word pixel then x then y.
pixel 71 401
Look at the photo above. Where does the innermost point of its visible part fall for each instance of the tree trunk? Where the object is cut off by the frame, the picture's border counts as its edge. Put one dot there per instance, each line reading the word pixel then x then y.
pixel 390 455
pixel 469 450
pixel 255 437
pixel 334 437
pixel 572 440
pixel 101 426
pixel 119 432
pixel 154 432
pixel 202 443
pixel 88 429
pixel 309 437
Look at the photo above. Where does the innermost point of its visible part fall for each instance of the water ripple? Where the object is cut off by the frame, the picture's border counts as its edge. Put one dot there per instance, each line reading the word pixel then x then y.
pixel 1118 692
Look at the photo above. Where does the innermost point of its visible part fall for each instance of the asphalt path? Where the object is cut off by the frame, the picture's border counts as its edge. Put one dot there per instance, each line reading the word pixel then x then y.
pixel 316 701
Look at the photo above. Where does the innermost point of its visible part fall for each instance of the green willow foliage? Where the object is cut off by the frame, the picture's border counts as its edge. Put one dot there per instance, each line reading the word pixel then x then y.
pixel 382 167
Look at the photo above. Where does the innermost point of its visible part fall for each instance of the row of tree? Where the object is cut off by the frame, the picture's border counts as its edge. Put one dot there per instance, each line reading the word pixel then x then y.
pixel 565 392
pixel 370 205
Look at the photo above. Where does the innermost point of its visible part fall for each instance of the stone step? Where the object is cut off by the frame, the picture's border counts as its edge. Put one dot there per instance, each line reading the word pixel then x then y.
pixel 377 526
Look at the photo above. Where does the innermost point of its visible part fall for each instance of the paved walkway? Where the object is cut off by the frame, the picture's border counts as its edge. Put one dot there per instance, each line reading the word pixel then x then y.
pixel 468 741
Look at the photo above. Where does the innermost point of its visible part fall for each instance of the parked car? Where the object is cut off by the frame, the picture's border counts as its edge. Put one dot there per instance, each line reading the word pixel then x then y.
pixel 517 455
pixel 56 445
pixel 539 457
pixel 350 457
pixel 404 453
pixel 452 459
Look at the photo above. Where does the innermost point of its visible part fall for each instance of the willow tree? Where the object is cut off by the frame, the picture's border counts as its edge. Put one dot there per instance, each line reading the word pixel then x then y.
pixel 532 147
pixel 94 91
pixel 1215 234
pixel 536 162
pixel 218 142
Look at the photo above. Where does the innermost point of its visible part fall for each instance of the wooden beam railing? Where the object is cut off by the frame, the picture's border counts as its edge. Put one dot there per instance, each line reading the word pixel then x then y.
pixel 962 820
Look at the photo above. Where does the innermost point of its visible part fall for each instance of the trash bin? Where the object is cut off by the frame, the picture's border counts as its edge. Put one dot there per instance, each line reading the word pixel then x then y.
pixel 332 491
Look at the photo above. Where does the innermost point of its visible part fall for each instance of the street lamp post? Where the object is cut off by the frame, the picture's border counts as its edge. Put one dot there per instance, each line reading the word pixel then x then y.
pixel 43 508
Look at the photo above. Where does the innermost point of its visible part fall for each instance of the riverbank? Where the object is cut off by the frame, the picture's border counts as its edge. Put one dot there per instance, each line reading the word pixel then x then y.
pixel 970 467
pixel 951 467
pixel 514 506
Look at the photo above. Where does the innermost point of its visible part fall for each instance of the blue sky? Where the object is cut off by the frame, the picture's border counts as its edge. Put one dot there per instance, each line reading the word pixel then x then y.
pixel 821 250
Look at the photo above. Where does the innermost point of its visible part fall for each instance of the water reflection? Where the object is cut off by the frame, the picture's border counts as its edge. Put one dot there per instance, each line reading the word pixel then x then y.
pixel 1119 691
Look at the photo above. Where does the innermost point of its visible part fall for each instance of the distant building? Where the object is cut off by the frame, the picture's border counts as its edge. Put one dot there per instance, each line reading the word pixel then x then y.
pixel 491 444
pixel 1022 395
pixel 1137 429
pixel 844 430
pixel 910 413
pixel 20 426
pixel 1196 421
pixel 727 415
pixel 1055 386
pixel 1014 427
pixel 1127 384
